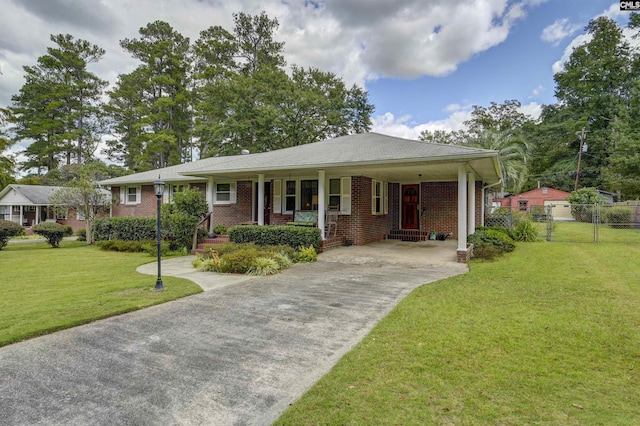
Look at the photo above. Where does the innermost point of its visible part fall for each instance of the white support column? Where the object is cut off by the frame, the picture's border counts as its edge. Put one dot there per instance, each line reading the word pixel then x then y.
pixel 260 199
pixel 11 214
pixel 38 214
pixel 209 195
pixel 21 215
pixel 471 202
pixel 462 207
pixel 321 202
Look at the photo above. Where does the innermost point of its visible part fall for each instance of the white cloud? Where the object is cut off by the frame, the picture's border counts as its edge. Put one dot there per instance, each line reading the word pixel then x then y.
pixel 403 127
pixel 356 39
pixel 558 31
pixel 537 91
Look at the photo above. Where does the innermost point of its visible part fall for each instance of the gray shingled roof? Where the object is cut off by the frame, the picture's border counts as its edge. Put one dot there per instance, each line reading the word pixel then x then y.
pixel 345 152
pixel 37 194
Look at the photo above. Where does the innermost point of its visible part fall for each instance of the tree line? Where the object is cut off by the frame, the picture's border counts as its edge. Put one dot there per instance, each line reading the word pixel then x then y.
pixel 226 92
pixel 597 109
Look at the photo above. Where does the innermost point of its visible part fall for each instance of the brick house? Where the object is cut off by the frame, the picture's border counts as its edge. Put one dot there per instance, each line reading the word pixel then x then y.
pixel 29 205
pixel 382 187
pixel 537 199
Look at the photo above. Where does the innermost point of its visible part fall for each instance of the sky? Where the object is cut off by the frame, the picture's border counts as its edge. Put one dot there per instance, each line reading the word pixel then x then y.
pixel 424 63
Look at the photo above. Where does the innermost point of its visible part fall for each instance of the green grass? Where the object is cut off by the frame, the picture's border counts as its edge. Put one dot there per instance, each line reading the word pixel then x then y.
pixel 547 335
pixel 580 232
pixel 45 289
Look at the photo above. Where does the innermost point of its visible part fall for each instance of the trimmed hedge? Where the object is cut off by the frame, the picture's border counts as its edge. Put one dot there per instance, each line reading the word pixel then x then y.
pixel 125 228
pixel 8 229
pixel 292 236
pixel 618 216
pixel 52 232
pixel 488 243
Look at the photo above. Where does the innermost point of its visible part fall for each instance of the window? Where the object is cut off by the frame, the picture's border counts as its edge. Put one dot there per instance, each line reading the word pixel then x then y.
pixel 225 193
pixel 334 193
pixel 522 205
pixel 130 195
pixel 309 195
pixel 379 197
pixel 61 214
pixel 175 189
pixel 29 208
pixel 290 196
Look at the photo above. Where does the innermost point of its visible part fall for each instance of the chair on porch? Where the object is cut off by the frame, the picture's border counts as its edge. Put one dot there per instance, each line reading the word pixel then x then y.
pixel 331 220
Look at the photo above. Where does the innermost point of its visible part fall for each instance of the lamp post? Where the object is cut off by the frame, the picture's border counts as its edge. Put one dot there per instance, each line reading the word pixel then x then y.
pixel 158 187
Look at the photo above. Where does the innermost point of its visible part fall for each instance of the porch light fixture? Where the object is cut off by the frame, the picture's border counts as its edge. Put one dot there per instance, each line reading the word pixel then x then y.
pixel 158 187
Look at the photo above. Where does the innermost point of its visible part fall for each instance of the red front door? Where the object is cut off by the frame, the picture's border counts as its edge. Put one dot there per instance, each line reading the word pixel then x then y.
pixel 410 205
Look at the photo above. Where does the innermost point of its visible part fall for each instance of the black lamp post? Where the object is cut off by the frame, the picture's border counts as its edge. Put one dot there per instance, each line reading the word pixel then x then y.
pixel 158 187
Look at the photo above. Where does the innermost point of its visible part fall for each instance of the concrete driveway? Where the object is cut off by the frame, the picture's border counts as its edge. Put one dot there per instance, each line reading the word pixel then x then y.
pixel 237 354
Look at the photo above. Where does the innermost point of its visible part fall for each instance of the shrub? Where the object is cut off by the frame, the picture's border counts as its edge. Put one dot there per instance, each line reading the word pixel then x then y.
pixel 618 216
pixel 293 236
pixel 8 229
pixel 81 234
pixel 245 258
pixel 488 243
pixel 263 265
pixel 308 254
pixel 178 228
pixel 239 261
pixel 525 231
pixel 52 232
pixel 125 228
pixel 220 230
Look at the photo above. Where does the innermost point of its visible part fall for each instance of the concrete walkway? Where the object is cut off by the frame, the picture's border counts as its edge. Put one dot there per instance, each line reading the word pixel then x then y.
pixel 237 354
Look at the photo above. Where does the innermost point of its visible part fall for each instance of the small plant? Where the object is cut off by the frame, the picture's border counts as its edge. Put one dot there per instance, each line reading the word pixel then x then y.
pixel 489 243
pixel 526 231
pixel 81 234
pixel 52 232
pixel 68 230
pixel 8 229
pixel 308 254
pixel 220 230
pixel 263 266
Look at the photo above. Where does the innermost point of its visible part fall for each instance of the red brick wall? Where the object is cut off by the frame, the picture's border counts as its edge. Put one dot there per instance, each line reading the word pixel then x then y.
pixel 146 208
pixel 361 226
pixel 440 201
pixel 235 214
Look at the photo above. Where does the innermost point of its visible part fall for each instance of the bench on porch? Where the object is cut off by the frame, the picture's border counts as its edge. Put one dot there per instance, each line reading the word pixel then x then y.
pixel 304 218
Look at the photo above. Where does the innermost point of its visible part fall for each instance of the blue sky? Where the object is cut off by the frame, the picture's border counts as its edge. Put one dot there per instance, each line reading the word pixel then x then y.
pixel 425 63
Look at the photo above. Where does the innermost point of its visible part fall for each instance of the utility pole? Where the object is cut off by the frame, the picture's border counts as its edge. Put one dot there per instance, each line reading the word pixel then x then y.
pixel 582 135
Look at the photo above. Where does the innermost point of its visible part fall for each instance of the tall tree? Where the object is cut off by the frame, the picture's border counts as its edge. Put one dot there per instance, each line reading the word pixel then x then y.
pixel 245 100
pixel 594 86
pixel 59 106
pixel 156 97
pixel 7 164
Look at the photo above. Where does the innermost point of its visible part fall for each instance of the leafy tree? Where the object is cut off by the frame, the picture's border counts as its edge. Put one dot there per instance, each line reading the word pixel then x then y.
pixel 7 164
pixel 496 118
pixel 245 100
pixel 151 106
pixel 455 137
pixel 82 195
pixel 180 218
pixel 514 155
pixel 59 105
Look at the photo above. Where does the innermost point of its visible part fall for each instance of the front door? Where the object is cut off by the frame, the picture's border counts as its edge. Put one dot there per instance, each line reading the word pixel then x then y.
pixel 410 206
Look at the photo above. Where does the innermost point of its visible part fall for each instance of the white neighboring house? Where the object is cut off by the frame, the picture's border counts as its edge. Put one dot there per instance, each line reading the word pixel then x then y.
pixel 29 205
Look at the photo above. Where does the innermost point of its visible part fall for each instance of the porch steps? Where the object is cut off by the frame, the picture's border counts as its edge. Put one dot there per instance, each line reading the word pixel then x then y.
pixel 408 235
pixel 220 239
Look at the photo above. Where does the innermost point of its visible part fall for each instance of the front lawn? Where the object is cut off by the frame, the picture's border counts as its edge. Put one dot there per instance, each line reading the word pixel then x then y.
pixel 546 335
pixel 45 289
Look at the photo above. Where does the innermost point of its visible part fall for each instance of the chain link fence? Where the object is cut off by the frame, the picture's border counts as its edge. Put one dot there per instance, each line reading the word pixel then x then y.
pixel 587 223
pixel 593 223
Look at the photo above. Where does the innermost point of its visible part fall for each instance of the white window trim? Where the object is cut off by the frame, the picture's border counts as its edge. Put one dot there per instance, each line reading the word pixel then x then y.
pixel 232 193
pixel 277 196
pixel 384 197
pixel 296 196
pixel 124 195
